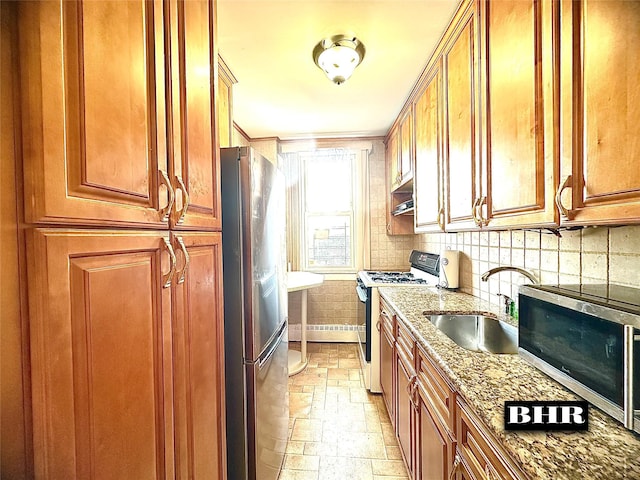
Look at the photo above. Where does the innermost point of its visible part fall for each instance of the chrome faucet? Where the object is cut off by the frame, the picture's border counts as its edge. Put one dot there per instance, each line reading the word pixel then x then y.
pixel 485 276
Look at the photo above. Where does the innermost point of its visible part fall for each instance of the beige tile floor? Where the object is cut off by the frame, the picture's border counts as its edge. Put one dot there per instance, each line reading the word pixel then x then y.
pixel 337 429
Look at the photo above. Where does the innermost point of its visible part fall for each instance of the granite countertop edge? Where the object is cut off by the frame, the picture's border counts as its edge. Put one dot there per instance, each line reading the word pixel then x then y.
pixel 485 381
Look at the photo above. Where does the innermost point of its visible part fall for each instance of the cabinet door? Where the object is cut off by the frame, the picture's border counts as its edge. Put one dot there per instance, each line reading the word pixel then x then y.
pixel 405 406
pixel 434 448
pixel 462 168
pixel 101 370
pixel 387 365
pixel 225 104
pixel 405 162
pixel 94 130
pixel 199 357
pixel 195 152
pixel 479 451
pixel 428 167
pixel 520 112
pixel 600 112
pixel 392 159
pixel 396 224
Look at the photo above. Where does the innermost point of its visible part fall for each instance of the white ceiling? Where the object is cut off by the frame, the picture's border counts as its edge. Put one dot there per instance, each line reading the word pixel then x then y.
pixel 281 92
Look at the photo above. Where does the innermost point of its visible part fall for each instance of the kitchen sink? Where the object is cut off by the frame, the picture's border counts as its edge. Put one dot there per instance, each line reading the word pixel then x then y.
pixel 478 333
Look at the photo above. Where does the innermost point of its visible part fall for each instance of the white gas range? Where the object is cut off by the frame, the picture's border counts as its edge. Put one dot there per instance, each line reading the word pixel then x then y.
pixel 426 270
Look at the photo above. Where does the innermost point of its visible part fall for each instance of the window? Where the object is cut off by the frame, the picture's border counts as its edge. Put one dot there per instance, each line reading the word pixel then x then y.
pixel 327 201
pixel 329 210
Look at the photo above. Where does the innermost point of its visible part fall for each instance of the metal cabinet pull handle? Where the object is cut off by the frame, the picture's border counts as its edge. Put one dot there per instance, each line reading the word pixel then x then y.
pixel 410 386
pixel 440 218
pixel 455 467
pixel 378 325
pixel 474 212
pixel 166 279
pixel 483 201
pixel 185 200
pixel 566 184
pixel 166 211
pixel 185 268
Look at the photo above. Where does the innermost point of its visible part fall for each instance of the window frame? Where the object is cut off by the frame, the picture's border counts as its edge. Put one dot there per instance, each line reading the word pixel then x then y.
pixel 353 214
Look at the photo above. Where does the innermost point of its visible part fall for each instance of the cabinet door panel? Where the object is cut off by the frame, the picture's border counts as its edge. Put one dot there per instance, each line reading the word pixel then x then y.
pixel 434 448
pixel 462 170
pixel 393 159
pixel 93 107
pixel 195 150
pixel 521 112
pixel 405 165
pixel 225 112
pixel 199 358
pixel 404 427
pixel 386 372
pixel 100 355
pixel 601 110
pixel 428 118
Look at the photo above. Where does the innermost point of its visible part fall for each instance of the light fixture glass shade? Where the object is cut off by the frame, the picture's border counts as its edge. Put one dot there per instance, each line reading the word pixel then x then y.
pixel 338 57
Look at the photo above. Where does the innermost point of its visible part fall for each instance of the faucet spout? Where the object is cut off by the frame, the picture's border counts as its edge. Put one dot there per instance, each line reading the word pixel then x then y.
pixel 485 276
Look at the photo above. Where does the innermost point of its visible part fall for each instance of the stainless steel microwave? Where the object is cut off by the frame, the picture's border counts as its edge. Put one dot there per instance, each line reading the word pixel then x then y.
pixel 587 337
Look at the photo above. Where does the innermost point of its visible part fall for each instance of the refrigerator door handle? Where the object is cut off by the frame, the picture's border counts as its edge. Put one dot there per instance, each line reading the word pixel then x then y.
pixel 274 345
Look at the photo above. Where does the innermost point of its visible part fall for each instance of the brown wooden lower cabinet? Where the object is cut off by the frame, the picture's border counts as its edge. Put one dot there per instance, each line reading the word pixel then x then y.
pixel 462 471
pixel 198 346
pixel 387 361
pixel 434 445
pixel 480 453
pixel 125 359
pixel 440 437
pixel 405 410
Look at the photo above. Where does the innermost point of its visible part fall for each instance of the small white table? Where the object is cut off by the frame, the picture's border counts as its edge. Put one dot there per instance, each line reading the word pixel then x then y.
pixel 301 282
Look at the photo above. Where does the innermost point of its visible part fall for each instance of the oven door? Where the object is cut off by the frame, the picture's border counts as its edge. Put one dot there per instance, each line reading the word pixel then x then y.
pixel 364 319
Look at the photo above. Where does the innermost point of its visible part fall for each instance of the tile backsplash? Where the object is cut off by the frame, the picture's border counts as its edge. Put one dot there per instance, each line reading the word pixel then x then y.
pixel 581 255
pixel 333 303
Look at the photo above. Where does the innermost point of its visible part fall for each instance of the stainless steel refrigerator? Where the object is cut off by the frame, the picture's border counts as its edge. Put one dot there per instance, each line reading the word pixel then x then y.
pixel 255 314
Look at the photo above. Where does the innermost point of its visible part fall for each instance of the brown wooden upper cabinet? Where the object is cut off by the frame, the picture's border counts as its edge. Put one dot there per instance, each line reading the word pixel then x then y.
pixel 519 46
pixel 600 150
pixel 225 104
pixel 393 158
pixel 461 160
pixel 112 133
pixel 405 160
pixel 427 183
pixel 398 222
pixel 401 160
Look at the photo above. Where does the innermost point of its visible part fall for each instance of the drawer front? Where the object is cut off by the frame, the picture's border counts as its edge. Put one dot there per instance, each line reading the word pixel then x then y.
pixel 387 318
pixel 480 452
pixel 440 394
pixel 406 343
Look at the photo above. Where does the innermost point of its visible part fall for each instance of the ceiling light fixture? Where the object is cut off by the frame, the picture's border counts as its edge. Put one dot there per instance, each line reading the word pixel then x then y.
pixel 338 56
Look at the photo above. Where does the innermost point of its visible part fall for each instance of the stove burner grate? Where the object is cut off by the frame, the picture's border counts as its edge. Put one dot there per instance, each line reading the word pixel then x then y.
pixel 395 277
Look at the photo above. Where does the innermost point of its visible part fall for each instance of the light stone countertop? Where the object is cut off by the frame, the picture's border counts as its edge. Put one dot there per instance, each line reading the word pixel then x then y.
pixel 607 451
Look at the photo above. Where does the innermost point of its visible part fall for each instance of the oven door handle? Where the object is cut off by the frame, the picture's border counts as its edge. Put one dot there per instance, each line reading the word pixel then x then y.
pixel 362 293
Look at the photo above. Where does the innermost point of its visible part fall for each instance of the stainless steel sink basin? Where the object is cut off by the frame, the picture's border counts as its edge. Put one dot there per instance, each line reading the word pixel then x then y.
pixel 478 332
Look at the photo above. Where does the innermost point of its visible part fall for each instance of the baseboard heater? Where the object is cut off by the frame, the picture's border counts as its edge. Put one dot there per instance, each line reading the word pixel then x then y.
pixel 325 333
